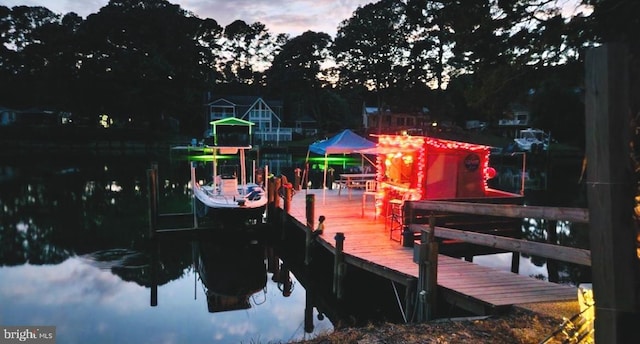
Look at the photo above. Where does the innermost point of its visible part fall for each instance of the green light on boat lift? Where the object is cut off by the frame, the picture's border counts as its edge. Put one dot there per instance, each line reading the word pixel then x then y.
pixel 209 157
pixel 344 161
pixel 331 160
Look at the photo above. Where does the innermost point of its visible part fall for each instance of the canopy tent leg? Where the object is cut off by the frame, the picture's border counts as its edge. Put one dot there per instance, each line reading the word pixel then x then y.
pixel 324 181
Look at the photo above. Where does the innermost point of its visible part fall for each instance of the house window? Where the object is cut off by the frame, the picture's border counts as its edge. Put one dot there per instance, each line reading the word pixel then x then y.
pixel 219 112
pixel 259 114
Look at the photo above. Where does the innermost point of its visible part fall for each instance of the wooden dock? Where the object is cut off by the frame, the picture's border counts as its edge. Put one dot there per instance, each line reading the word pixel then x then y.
pixel 368 245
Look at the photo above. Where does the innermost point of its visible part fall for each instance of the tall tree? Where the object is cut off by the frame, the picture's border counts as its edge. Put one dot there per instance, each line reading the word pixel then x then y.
pixel 370 47
pixel 294 75
pixel 146 60
pixel 502 44
pixel 246 51
pixel 431 42
pixel 23 58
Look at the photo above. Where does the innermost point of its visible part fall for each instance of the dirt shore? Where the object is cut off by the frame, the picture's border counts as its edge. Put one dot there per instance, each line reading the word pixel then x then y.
pixel 532 323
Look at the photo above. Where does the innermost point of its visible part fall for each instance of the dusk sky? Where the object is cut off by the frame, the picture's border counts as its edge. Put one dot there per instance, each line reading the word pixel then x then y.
pixel 280 16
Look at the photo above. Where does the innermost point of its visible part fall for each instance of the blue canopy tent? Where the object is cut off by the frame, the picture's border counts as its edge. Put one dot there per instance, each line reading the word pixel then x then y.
pixel 344 142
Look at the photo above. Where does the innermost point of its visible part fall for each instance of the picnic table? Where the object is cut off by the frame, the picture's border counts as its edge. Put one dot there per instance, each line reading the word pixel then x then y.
pixel 354 181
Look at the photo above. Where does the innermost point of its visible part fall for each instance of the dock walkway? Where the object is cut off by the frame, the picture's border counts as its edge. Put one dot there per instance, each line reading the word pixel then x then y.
pixel 368 245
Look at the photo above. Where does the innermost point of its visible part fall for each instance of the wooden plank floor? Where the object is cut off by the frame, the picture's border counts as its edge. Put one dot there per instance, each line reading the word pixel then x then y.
pixel 367 244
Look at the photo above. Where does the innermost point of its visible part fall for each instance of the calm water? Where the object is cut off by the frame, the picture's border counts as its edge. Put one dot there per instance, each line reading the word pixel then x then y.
pixel 74 254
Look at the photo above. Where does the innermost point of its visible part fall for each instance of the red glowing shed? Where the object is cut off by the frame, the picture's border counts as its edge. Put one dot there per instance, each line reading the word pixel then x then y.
pixel 426 168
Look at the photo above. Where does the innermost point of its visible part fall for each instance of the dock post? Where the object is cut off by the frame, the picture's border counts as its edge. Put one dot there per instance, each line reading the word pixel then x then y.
pixel 286 208
pixel 515 262
pixel 308 313
pixel 432 280
pixel 276 198
pixel 272 198
pixel 407 220
pixel 287 199
pixel 410 298
pixel 427 272
pixel 297 180
pixel 153 302
pixel 193 195
pixel 310 200
pixel 611 188
pixel 152 185
pixel 338 266
pixel 552 238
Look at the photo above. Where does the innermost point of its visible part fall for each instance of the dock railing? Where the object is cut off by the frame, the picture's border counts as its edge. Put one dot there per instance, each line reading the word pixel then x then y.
pixel 546 250
pixel 426 249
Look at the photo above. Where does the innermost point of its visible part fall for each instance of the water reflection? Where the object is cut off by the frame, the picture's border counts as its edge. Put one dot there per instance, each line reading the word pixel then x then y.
pixel 563 233
pixel 547 183
pixel 74 253
pixel 232 274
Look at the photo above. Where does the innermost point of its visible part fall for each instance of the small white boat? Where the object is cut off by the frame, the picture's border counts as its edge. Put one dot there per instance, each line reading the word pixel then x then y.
pixel 229 198
pixel 532 140
pixel 228 194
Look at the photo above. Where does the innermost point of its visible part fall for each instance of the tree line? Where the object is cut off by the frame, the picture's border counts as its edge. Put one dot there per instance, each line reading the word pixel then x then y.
pixel 141 61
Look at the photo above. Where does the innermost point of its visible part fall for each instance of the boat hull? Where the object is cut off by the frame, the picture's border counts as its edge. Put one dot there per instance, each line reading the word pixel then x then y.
pixel 231 209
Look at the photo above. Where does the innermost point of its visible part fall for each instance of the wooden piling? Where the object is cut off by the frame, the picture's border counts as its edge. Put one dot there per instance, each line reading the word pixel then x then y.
pixel 407 219
pixel 308 312
pixel 153 302
pixel 611 188
pixel 272 197
pixel 427 272
pixel 339 266
pixel 297 180
pixel 193 195
pixel 288 193
pixel 310 200
pixel 152 186
pixel 515 262
pixel 410 298
pixel 552 238
pixel 276 186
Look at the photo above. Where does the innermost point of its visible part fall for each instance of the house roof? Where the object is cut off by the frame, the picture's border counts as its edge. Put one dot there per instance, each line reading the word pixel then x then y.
pixel 370 109
pixel 245 103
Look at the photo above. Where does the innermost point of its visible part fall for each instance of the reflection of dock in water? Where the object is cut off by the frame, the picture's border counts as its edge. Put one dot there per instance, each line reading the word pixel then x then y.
pixel 512 178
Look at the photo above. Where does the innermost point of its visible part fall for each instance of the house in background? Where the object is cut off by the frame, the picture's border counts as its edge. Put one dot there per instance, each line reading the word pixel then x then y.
pixel 517 117
pixel 387 121
pixel 306 126
pixel 7 116
pixel 33 117
pixel 265 114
